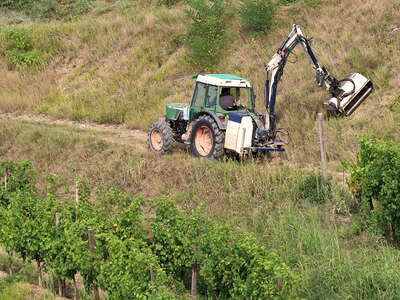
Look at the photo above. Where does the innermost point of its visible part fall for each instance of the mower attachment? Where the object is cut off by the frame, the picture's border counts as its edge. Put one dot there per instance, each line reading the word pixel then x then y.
pixel 355 89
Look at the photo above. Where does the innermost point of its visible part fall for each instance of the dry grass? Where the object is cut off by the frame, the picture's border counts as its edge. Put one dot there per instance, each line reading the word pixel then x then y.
pixel 122 65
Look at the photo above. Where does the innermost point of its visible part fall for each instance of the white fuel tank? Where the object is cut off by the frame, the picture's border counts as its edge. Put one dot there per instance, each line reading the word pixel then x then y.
pixel 239 132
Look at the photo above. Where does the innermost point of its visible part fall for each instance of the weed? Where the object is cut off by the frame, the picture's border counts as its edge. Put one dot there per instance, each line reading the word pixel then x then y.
pixel 16 4
pixel 315 189
pixel 257 14
pixel 19 46
pixel 168 3
pixel 206 36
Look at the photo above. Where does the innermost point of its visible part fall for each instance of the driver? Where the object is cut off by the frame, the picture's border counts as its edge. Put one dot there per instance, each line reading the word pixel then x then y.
pixel 226 100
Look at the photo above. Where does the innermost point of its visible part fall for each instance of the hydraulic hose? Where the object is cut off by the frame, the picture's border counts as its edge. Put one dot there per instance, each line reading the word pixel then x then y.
pixel 352 91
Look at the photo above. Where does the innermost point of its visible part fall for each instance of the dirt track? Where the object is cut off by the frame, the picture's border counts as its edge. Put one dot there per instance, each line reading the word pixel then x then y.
pixel 118 134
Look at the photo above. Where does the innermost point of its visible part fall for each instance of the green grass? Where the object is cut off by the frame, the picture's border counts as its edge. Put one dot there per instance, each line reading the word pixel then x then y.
pixel 16 291
pixel 22 291
pixel 21 284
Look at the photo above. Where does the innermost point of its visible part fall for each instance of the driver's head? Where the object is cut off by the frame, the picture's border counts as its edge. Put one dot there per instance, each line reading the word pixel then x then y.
pixel 225 91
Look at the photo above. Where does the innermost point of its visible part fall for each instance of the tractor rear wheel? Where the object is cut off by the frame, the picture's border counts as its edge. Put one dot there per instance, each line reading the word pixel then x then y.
pixel 206 139
pixel 160 137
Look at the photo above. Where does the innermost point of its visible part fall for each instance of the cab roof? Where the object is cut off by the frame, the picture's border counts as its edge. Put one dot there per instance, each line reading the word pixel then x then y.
pixel 225 80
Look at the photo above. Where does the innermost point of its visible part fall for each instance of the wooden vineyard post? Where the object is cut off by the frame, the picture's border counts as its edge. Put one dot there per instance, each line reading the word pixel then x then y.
pixel 91 247
pixel 5 180
pixel 57 219
pixel 10 270
pixel 194 276
pixel 322 145
pixel 76 296
pixel 76 193
pixel 61 283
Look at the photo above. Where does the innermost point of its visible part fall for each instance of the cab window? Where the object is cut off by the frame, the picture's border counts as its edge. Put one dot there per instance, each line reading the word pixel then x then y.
pixel 212 94
pixel 199 95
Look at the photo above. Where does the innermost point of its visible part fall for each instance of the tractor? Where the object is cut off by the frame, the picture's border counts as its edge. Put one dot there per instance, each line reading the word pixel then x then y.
pixel 222 117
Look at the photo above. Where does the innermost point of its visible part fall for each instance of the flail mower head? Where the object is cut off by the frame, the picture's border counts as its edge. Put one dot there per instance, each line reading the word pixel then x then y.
pixel 349 94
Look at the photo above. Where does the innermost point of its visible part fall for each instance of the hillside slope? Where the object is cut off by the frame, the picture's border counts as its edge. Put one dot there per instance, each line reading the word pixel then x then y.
pixel 124 63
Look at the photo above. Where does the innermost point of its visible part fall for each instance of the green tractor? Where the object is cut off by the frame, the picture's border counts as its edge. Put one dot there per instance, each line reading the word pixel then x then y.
pixel 221 118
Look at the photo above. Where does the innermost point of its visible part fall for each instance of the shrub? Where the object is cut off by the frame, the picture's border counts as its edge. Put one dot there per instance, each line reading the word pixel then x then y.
pixel 236 266
pixel 375 183
pixel 50 8
pixel 60 9
pixel 314 189
pixel 257 14
pixel 206 36
pixel 168 3
pixel 18 43
pixel 16 4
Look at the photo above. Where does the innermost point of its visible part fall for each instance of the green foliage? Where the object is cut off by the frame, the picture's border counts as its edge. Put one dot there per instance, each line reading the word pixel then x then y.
pixel 135 255
pixel 60 9
pixel 50 8
pixel 314 189
pixel 126 274
pixel 168 3
pixel 237 266
pixel 170 241
pixel 20 176
pixel 206 35
pixel 375 182
pixel 257 14
pixel 16 4
pixel 19 46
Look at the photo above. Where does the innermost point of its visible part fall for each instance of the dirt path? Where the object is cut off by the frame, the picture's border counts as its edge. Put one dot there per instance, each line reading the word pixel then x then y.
pixel 118 134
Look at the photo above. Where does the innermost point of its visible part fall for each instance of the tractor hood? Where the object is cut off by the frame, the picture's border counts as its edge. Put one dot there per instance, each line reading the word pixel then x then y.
pixel 176 110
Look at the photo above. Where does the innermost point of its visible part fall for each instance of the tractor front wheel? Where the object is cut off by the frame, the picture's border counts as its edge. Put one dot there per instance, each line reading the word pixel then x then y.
pixel 160 137
pixel 206 139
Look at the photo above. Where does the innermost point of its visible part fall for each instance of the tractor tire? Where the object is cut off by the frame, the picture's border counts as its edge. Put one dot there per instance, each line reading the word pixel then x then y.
pixel 160 137
pixel 206 139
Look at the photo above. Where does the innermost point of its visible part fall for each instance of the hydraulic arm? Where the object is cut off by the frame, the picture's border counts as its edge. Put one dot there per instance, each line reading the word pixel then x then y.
pixel 346 94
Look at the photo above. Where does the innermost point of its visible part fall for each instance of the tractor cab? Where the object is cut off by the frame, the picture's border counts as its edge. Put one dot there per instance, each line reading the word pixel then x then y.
pixel 221 94
pixel 215 94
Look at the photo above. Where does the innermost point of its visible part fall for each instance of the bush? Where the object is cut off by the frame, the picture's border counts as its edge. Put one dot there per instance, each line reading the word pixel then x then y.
pixel 257 14
pixel 236 266
pixel 206 36
pixel 18 46
pixel 375 183
pixel 51 8
pixel 168 3
pixel 16 4
pixel 60 8
pixel 314 189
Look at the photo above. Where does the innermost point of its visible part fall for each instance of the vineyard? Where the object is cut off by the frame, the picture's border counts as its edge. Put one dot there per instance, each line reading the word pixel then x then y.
pixel 130 247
